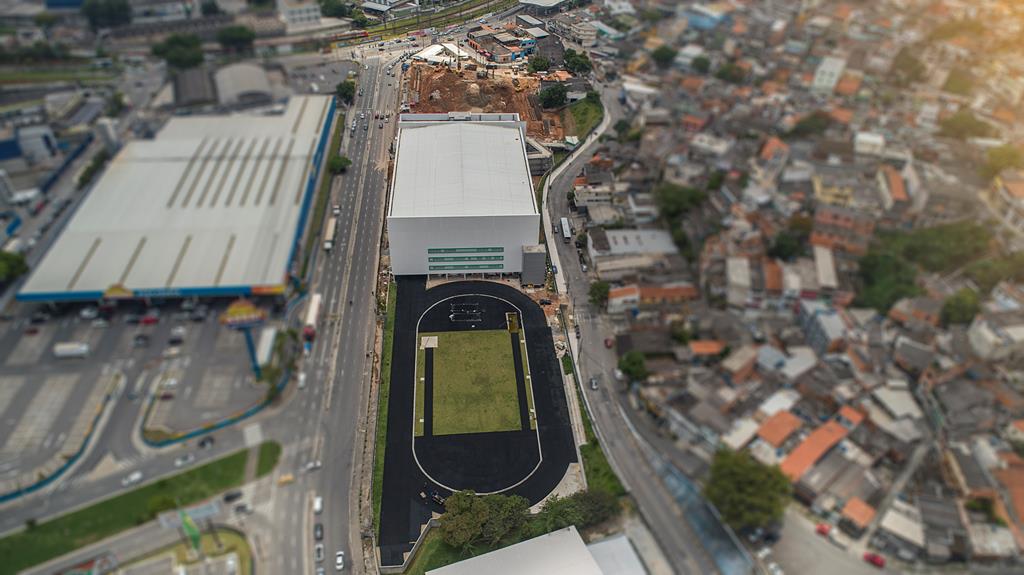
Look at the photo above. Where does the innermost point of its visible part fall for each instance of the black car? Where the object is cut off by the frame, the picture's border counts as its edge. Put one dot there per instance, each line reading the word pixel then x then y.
pixel 39 317
pixel 140 340
pixel 232 496
pixel 206 442
pixel 318 532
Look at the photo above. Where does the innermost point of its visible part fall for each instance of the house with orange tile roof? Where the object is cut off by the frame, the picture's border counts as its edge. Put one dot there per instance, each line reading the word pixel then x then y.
pixel 706 348
pixel 773 148
pixel 813 448
pixel 891 189
pixel 849 84
pixel 778 428
pixel 856 516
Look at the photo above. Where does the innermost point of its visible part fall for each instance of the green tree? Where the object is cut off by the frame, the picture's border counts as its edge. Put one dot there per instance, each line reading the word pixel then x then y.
pixel 786 246
pixel 906 68
pixel 45 20
pixel 1002 158
pixel 961 307
pixel 335 9
pixel 746 493
pixel 582 509
pixel 813 124
pixel 236 38
pixel 959 81
pixel 338 164
pixel 209 8
pixel 577 62
pixel 663 56
pixel 674 200
pixel 701 64
pixel 622 127
pixel 553 96
pixel 359 20
pixel 470 520
pixel 539 63
pixel 732 73
pixel 633 365
pixel 599 293
pixel 12 266
pixel 963 125
pixel 346 91
pixel 107 13
pixel 180 51
pixel 886 279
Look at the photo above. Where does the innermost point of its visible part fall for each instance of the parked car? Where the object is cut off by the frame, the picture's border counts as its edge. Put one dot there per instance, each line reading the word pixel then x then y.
pixel 89 313
pixel 232 496
pixel 593 383
pixel 206 442
pixel 874 559
pixel 318 531
pixel 243 509
pixel 318 552
pixel 313 465
pixel 823 529
pixel 184 460
pixel 131 479
pixel 339 560
pixel 609 342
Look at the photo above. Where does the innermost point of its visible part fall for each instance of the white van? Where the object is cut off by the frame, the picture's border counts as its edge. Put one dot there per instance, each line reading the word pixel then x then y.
pixel 318 505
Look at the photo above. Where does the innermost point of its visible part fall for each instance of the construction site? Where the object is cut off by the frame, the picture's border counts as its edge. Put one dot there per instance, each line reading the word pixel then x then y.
pixel 439 89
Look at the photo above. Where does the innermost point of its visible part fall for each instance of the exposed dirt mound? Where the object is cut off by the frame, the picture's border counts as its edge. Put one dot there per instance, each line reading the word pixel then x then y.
pixel 438 89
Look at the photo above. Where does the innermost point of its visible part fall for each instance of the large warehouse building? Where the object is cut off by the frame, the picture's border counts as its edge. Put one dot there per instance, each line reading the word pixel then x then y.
pixel 213 206
pixel 462 201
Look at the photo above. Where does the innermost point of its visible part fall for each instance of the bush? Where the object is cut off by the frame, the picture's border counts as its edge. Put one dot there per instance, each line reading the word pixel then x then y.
pixel 961 307
pixel 553 96
pixel 576 62
pixel 539 63
pixel 338 164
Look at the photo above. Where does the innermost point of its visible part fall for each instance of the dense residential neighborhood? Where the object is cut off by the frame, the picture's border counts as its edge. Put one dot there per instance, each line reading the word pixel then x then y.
pixel 504 286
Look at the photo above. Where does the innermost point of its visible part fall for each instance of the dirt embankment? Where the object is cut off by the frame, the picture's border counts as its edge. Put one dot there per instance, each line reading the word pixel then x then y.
pixel 438 89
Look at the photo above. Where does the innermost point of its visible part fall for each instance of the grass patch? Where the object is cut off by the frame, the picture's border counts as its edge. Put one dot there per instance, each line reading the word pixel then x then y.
pixel 474 383
pixel 434 553
pixel 600 475
pixel 231 542
pixel 101 520
pixel 586 114
pixel 270 454
pixel 567 364
pixel 323 195
pixel 383 393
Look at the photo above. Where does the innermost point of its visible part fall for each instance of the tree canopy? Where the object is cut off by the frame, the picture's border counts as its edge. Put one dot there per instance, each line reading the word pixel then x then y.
pixel 346 91
pixel 663 56
pixel 577 62
pixel 961 307
pixel 470 520
pixel 960 81
pixel 674 200
pixel 633 365
pixel 335 9
pixel 1002 158
pixel 701 64
pixel 338 164
pixel 180 51
pixel 12 266
pixel 539 63
pixel 812 124
pixel 732 73
pixel 963 125
pixel 553 96
pixel 209 8
pixel 236 38
pixel 599 293
pixel 107 13
pixel 907 68
pixel 746 493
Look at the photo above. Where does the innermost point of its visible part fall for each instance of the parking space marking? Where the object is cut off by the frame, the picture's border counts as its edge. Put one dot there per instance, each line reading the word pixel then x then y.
pixel 42 412
pixel 9 387
pixel 30 349
pixel 215 386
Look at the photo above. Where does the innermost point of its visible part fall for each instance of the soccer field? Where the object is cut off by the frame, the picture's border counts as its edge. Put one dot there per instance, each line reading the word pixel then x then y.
pixel 474 383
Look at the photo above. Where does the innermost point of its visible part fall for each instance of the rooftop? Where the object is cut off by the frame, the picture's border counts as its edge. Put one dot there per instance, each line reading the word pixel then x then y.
pixel 777 428
pixel 449 166
pixel 812 448
pixel 560 552
pixel 211 206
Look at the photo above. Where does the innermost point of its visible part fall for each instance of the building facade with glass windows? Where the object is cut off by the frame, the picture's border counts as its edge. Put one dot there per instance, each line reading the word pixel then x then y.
pixel 461 201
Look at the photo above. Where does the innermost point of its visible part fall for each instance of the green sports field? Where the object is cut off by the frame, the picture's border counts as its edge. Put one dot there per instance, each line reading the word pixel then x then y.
pixel 474 383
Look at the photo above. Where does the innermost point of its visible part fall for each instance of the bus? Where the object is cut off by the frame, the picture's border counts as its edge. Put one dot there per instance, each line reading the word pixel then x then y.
pixel 566 230
pixel 329 233
pixel 312 318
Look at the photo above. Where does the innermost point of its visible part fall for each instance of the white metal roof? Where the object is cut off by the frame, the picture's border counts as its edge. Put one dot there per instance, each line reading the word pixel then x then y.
pixel 560 552
pixel 461 168
pixel 213 202
pixel 616 556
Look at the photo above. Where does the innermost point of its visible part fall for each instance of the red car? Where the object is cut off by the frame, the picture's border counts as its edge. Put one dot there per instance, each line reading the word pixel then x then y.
pixel 874 559
pixel 609 342
pixel 823 529
pixel 149 319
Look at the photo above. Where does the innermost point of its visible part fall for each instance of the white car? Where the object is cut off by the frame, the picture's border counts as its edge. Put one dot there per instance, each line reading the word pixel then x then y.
pixel 339 560
pixel 184 460
pixel 314 465
pixel 131 479
pixel 89 313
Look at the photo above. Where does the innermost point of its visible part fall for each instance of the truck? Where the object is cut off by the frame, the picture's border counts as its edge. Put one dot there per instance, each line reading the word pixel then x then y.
pixel 70 349
pixel 566 230
pixel 329 233
pixel 312 318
